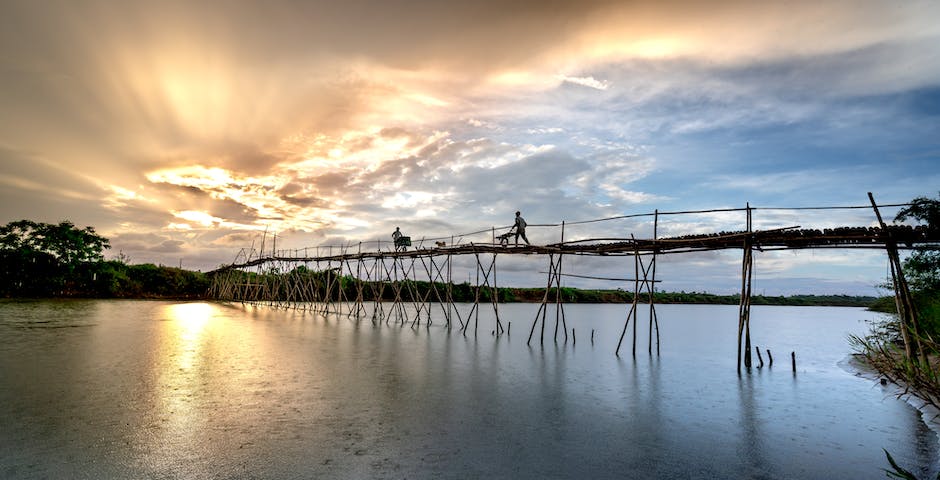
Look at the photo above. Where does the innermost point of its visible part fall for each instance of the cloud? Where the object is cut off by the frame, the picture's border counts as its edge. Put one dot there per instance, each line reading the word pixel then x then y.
pixel 238 240
pixel 590 82
pixel 146 242
pixel 334 120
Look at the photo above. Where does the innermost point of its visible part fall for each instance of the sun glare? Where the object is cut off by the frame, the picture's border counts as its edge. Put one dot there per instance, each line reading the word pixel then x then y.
pixel 189 321
pixel 202 218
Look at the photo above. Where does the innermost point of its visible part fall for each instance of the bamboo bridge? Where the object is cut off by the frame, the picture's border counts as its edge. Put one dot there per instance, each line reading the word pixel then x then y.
pixel 405 285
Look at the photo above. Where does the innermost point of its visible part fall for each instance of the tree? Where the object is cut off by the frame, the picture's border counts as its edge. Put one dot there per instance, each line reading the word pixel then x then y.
pixel 69 244
pixel 923 266
pixel 42 258
pixel 923 209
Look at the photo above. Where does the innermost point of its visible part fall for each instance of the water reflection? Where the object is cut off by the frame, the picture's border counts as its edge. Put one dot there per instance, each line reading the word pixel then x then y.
pixel 195 390
pixel 751 449
pixel 188 322
pixel 180 373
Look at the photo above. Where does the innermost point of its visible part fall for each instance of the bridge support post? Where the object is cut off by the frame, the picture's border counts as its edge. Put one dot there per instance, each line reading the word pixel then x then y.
pixel 343 298
pixel 744 307
pixel 559 306
pixel 554 271
pixel 328 296
pixel 632 314
pixel 360 297
pixel 377 285
pixel 436 275
pixel 493 291
pixel 554 278
pixel 907 312
pixel 640 286
pixel 450 291
pixel 651 289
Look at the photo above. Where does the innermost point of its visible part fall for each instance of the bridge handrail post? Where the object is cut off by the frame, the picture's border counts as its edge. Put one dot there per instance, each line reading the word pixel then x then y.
pixel 907 314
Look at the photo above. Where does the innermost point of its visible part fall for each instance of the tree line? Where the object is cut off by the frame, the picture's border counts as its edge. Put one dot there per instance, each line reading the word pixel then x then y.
pixel 328 284
pixel 42 260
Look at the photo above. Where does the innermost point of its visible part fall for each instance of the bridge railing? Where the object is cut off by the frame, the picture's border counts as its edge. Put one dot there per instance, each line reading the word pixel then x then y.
pixel 647 225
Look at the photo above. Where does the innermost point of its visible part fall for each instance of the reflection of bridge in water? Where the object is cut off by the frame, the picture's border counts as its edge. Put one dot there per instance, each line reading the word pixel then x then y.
pixel 406 285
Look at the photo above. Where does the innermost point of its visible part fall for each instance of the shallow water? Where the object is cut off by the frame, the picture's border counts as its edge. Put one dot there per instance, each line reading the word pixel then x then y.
pixel 144 389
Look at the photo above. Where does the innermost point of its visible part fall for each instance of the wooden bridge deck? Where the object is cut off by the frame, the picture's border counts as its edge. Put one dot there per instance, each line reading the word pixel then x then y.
pixel 904 236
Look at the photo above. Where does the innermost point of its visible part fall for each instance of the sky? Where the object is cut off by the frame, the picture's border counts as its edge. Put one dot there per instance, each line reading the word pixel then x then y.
pixel 186 131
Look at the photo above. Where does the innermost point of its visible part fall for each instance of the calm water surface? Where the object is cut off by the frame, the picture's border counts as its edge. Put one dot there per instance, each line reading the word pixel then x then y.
pixel 136 389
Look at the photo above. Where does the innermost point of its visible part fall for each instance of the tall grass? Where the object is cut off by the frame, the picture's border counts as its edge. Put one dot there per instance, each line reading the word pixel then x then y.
pixel 883 350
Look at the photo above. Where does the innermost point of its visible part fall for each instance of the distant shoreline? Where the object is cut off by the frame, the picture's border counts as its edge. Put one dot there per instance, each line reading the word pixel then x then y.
pixel 589 296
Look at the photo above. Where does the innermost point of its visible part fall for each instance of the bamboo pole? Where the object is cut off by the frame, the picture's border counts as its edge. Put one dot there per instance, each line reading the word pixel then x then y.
pixel 553 269
pixel 651 288
pixel 631 314
pixel 475 310
pixel 744 304
pixel 495 297
pixel 439 275
pixel 542 306
pixel 450 287
pixel 360 293
pixel 636 292
pixel 750 279
pixel 559 305
pixel 486 271
pixel 377 286
pixel 907 313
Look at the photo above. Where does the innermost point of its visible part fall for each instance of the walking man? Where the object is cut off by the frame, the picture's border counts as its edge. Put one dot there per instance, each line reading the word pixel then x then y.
pixel 520 229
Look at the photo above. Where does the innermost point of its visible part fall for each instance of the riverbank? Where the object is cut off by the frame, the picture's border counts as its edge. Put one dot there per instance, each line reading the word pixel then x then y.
pixel 575 295
pixel 857 365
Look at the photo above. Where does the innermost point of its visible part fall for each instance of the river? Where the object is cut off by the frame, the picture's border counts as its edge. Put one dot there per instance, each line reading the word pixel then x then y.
pixel 165 390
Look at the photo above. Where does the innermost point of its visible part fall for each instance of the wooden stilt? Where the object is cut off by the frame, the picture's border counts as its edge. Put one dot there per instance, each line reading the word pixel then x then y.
pixel 487 272
pixel 636 289
pixel 450 288
pixel 744 306
pixel 907 312
pixel 434 274
pixel 631 315
pixel 559 303
pixel 544 305
pixel 651 289
pixel 495 298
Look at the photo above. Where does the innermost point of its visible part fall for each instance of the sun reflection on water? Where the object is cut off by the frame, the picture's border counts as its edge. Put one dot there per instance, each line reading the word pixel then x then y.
pixel 189 323
pixel 181 372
